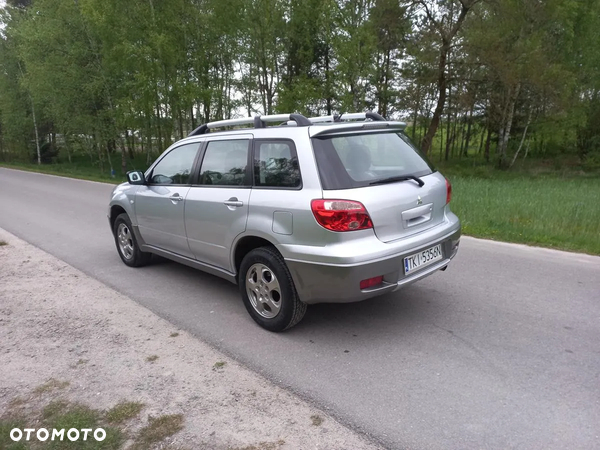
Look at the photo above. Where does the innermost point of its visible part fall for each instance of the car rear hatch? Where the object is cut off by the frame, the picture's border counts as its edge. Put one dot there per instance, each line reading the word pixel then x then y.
pixel 385 172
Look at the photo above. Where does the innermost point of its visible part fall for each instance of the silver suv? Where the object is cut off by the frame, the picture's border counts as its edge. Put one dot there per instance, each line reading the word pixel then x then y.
pixel 323 209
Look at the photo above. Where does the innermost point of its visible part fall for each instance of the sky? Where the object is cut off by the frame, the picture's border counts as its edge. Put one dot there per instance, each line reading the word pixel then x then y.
pixel 2 4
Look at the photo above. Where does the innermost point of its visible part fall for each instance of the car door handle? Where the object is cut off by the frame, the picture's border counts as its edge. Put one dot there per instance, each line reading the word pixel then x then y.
pixel 176 198
pixel 233 202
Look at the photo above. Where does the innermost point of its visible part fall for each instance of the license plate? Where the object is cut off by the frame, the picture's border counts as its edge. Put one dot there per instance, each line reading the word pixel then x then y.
pixel 422 259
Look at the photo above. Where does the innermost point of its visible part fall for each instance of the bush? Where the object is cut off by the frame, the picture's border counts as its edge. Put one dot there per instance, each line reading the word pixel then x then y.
pixel 47 153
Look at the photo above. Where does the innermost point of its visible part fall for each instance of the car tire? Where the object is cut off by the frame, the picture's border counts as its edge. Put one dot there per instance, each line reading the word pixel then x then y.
pixel 268 290
pixel 127 245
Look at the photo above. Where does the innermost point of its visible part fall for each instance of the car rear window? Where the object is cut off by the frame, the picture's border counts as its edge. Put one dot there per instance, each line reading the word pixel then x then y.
pixel 357 160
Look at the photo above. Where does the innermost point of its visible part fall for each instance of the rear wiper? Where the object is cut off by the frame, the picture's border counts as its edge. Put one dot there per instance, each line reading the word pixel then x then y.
pixel 402 178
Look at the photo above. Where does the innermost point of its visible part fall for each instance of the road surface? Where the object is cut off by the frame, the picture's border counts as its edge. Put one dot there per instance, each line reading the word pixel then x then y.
pixel 500 351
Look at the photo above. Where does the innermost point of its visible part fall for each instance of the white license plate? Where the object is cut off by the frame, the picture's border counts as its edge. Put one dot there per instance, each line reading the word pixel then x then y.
pixel 422 259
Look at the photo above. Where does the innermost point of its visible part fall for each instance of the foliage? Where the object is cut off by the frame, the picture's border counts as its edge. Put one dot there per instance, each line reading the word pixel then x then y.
pixel 484 79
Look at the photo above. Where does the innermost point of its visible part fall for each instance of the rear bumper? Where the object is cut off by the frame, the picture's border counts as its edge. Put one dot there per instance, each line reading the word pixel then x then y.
pixel 339 282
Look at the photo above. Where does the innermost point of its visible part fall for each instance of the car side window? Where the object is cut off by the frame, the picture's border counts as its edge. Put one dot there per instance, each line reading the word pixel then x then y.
pixel 176 166
pixel 225 163
pixel 276 164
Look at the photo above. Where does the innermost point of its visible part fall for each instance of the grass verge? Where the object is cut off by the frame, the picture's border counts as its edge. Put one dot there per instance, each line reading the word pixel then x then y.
pixel 81 172
pixel 548 212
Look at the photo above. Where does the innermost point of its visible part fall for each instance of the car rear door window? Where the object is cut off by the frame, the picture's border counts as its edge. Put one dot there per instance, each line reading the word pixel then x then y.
pixel 225 163
pixel 176 166
pixel 276 164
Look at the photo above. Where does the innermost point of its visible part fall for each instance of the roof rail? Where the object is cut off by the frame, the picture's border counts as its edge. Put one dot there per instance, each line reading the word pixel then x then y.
pixel 337 118
pixel 257 121
pixel 361 116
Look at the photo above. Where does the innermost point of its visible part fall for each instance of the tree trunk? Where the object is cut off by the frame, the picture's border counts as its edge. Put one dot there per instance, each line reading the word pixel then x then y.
pixel 37 136
pixel 328 83
pixel 448 127
pixel 468 136
pixel 123 159
pixel 68 147
pixel 449 141
pixel 192 117
pixel 130 139
pixel 480 149
pixel 35 127
pixel 180 114
pixel 488 141
pixel 503 141
pixel 454 131
pixel 110 144
pixel 148 137
pixel 526 150
pixel 158 125
pixel 522 139
pixel 416 115
pixel 442 141
pixel 439 109
pixel 384 85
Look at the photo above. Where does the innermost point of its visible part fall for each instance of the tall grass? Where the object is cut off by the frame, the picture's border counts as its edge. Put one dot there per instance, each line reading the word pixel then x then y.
pixel 548 211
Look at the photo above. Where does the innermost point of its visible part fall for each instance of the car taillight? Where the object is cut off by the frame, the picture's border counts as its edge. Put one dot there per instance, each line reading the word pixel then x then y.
pixel 341 215
pixel 448 191
pixel 370 282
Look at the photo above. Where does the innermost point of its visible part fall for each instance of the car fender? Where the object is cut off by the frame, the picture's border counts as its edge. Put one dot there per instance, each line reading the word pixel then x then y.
pixel 123 195
pixel 251 233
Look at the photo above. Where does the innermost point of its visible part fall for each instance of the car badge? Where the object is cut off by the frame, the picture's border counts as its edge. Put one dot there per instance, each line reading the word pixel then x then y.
pixel 419 201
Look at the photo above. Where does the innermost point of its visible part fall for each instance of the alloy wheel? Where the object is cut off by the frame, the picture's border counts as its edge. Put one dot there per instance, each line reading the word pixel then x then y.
pixel 263 290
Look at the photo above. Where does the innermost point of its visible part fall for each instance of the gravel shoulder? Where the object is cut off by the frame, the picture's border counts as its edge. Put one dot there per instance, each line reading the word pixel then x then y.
pixel 98 348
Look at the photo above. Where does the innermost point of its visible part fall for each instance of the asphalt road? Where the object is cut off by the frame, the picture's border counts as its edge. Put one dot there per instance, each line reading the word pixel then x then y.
pixel 500 351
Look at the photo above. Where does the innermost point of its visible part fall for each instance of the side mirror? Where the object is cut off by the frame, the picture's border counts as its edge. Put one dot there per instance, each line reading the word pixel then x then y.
pixel 136 177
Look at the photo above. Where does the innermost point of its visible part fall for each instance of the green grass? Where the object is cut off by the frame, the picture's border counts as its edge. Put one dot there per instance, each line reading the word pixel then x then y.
pixel 123 412
pixel 6 425
pixel 157 429
pixel 555 212
pixel 219 365
pixel 551 203
pixel 82 168
pixel 74 171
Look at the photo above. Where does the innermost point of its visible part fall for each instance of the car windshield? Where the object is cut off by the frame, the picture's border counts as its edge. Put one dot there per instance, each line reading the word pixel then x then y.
pixel 357 160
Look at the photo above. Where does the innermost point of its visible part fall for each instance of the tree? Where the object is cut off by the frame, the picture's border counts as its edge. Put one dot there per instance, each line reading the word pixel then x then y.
pixel 446 21
pixel 390 26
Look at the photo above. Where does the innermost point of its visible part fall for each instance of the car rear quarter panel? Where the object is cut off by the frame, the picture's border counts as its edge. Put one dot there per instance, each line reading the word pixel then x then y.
pixel 283 216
